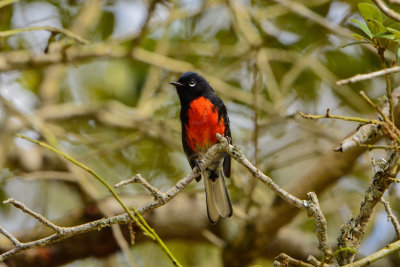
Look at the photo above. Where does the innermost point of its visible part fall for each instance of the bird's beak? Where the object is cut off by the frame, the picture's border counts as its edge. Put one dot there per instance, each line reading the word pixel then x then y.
pixel 176 84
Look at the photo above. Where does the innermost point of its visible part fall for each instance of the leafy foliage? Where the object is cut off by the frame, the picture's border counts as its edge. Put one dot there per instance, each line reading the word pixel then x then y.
pixel 376 33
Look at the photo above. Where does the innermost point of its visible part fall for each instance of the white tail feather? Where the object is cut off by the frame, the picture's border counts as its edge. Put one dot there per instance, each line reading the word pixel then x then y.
pixel 218 203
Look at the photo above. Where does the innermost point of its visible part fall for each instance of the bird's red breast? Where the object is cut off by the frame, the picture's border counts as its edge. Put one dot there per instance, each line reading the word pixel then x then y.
pixel 203 124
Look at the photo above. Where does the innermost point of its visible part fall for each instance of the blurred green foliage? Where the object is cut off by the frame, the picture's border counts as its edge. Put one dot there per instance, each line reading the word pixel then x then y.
pixel 143 135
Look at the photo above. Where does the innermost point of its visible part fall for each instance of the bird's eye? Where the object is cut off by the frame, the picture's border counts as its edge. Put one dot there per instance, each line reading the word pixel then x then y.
pixel 192 83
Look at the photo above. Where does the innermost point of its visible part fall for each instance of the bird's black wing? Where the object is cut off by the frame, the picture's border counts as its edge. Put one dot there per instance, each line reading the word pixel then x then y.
pixel 223 113
pixel 227 158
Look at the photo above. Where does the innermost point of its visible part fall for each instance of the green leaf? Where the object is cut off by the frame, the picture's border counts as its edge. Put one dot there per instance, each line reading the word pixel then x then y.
pixel 359 37
pixel 379 26
pixel 394 31
pixel 354 43
pixel 363 27
pixel 385 35
pixel 370 13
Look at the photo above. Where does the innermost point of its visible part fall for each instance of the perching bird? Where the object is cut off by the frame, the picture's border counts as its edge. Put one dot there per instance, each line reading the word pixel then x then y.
pixel 203 115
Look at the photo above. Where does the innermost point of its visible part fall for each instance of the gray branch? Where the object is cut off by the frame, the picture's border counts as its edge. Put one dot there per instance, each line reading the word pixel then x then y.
pixel 368 133
pixel 213 153
pixel 353 231
pixel 157 194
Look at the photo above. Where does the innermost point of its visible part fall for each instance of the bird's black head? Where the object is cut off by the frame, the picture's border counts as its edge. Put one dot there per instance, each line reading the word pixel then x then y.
pixel 191 85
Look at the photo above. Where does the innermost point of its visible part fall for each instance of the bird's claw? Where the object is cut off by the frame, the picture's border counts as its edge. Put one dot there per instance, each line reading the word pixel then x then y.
pixel 198 164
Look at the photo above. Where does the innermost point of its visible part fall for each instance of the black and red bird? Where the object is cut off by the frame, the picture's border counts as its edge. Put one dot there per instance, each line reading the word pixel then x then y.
pixel 203 115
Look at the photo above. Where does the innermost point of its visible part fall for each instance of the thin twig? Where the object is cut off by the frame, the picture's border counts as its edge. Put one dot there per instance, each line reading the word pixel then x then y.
pixel 392 217
pixel 320 229
pixel 284 260
pixel 381 53
pixel 92 172
pixel 131 233
pixel 34 214
pixel 45 28
pixel 316 263
pixel 392 130
pixel 10 237
pixel 367 132
pixel 367 76
pixel 376 256
pixel 344 118
pixel 372 104
pixel 235 153
pixel 157 194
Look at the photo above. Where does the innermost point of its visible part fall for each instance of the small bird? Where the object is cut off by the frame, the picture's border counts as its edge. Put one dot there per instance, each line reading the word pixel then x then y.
pixel 203 115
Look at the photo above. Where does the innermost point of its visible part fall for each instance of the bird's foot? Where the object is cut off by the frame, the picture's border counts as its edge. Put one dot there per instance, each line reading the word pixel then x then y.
pixel 199 164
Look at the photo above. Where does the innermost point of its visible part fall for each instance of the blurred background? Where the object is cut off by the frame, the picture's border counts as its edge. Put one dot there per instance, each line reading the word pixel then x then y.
pixel 107 102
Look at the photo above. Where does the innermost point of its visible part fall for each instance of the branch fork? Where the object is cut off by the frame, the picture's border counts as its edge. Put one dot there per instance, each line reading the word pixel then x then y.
pixel 157 194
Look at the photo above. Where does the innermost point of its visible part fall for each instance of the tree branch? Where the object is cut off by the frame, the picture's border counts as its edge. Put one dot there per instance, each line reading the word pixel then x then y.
pixel 367 76
pixel 353 230
pixel 212 153
pixel 366 133
pixel 376 256
pixel 344 118
pixel 186 209
pixel 157 194
pixel 320 225
pixel 137 219
pixel 389 12
pixel 35 215
pixel 216 151
pixel 284 260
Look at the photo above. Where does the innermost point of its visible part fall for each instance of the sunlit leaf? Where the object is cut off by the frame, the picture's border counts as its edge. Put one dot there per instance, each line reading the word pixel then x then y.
pixel 363 27
pixel 379 26
pixel 394 31
pixel 369 13
pixel 360 37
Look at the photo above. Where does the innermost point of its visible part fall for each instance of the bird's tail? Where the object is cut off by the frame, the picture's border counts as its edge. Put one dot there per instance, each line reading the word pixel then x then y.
pixel 218 203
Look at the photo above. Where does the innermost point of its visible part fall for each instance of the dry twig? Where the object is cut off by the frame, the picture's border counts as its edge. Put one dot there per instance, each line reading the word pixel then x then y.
pixel 392 217
pixel 367 76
